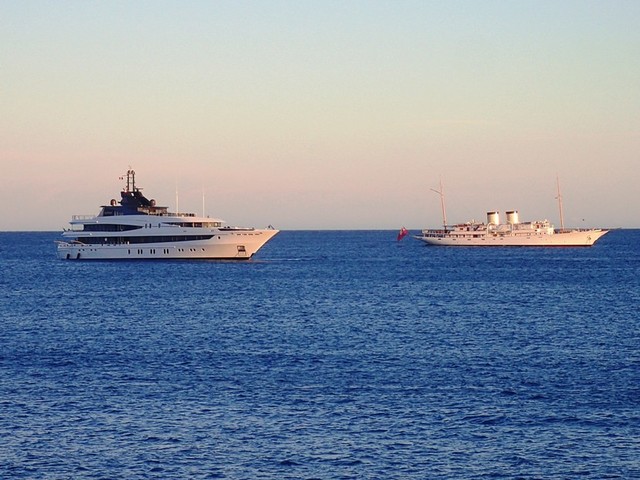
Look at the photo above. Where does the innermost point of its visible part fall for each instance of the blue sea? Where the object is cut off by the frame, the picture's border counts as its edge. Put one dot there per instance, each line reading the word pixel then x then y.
pixel 330 355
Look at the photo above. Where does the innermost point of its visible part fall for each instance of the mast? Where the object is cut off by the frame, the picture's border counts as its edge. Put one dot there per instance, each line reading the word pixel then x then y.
pixel 559 197
pixel 444 211
pixel 131 180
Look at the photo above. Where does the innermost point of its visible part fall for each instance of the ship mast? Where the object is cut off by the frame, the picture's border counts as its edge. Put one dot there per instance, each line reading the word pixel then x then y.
pixel 444 211
pixel 131 180
pixel 177 205
pixel 559 197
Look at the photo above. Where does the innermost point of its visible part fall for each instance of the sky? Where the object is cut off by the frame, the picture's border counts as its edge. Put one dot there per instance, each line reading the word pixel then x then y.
pixel 322 114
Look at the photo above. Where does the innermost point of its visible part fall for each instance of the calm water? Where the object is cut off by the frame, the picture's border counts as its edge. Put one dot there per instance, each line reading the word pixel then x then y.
pixel 331 355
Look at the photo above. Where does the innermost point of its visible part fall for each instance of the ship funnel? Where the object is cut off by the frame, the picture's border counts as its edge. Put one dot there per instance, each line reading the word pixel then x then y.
pixel 493 218
pixel 512 217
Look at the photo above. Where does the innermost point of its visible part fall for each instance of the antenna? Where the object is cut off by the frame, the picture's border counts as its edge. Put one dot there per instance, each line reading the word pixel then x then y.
pixel 444 211
pixel 559 197
pixel 177 207
pixel 203 200
pixel 131 180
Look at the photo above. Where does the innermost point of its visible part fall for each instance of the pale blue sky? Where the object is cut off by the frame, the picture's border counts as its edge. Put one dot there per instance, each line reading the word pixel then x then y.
pixel 323 114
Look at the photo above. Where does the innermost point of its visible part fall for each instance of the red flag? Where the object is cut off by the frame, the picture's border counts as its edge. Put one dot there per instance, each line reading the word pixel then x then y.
pixel 403 233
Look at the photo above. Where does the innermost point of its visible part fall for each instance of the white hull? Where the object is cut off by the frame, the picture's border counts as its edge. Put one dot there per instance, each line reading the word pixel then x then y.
pixel 569 238
pixel 224 245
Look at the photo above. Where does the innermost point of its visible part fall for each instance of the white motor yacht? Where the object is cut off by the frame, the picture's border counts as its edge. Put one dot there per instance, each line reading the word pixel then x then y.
pixel 135 228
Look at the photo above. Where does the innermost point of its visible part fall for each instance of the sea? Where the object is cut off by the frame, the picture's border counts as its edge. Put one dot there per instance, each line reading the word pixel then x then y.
pixel 329 355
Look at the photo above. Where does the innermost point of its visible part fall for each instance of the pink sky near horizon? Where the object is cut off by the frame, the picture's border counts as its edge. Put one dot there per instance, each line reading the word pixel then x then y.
pixel 332 115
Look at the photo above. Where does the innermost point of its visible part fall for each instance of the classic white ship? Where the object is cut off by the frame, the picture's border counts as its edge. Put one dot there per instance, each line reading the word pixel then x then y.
pixel 513 233
pixel 136 228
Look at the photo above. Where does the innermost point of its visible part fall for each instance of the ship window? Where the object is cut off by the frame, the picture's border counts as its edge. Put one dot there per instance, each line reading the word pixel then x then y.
pixel 107 227
pixel 142 239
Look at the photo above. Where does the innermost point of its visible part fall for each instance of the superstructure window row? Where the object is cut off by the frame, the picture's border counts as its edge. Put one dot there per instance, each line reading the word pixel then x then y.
pixel 196 224
pixel 137 240
pixel 107 227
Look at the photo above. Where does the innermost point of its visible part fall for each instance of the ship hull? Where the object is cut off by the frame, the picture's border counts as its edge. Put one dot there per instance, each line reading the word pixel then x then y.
pixel 224 245
pixel 573 238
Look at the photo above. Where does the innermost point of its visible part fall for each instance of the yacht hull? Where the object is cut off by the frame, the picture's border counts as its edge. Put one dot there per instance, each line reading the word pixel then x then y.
pixel 223 245
pixel 572 238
